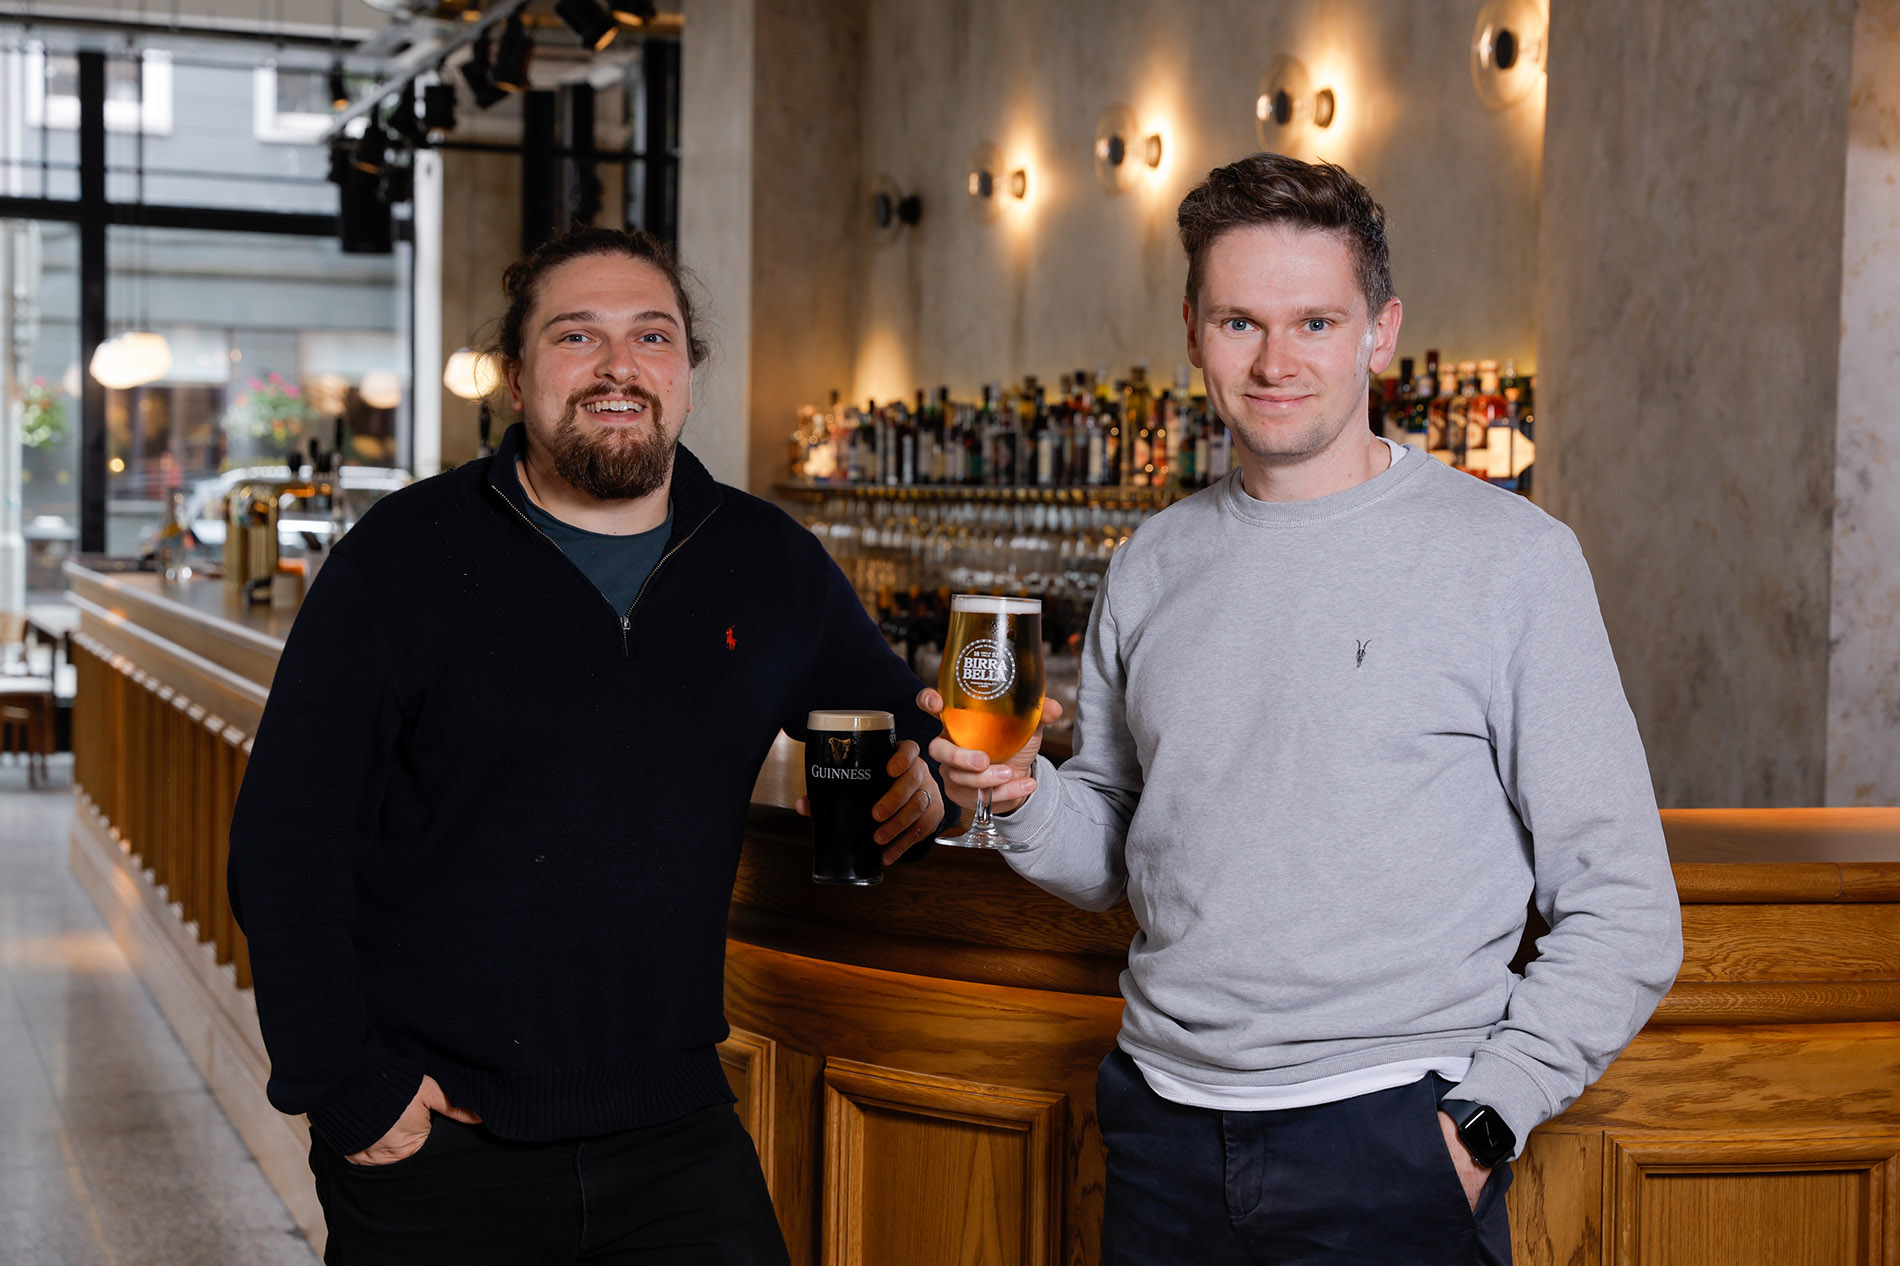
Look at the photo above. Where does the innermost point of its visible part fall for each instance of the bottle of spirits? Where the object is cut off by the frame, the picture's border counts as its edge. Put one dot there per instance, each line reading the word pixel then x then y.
pixel 1486 410
pixel 1177 429
pixel 1220 458
pixel 171 551
pixel 1399 418
pixel 1048 450
pixel 906 459
pixel 1203 450
pixel 1138 427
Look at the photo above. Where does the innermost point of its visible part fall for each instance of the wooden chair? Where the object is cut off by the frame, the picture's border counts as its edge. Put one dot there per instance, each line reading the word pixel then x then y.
pixel 26 722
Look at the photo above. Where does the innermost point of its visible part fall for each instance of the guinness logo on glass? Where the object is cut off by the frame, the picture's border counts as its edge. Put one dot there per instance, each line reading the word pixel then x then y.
pixel 986 669
pixel 840 748
pixel 824 773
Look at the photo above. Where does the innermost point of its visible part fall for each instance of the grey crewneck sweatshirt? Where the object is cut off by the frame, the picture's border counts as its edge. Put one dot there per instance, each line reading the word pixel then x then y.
pixel 1327 749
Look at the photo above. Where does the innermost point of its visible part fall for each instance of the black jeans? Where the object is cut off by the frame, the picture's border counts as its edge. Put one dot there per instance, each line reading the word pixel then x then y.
pixel 1360 1182
pixel 683 1193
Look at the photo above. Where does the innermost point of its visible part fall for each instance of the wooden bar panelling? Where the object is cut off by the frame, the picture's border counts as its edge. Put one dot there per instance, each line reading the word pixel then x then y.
pixel 158 769
pixel 990 1155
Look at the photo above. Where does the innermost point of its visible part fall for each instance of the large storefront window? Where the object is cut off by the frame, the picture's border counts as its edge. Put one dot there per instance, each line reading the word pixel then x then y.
pixel 275 336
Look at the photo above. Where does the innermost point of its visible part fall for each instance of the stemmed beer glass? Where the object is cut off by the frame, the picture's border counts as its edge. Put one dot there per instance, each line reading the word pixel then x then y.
pixel 992 687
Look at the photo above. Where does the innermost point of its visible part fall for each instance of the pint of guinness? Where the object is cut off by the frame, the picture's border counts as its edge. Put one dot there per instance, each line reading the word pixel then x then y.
pixel 845 758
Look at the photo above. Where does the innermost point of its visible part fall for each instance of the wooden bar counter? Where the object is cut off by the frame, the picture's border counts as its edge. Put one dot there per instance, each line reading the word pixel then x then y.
pixel 916 1061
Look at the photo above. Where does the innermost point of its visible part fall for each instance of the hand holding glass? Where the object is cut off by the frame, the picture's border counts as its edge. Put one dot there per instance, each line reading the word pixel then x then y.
pixel 991 683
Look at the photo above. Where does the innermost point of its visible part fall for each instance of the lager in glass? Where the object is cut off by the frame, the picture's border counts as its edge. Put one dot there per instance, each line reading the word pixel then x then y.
pixel 991 683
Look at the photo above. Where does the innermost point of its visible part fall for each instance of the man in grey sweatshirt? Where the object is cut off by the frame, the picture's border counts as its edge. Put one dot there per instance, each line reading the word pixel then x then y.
pixel 1342 717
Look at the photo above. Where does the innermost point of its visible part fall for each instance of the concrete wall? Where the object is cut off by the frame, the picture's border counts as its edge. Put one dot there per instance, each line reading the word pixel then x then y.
pixel 481 236
pixel 792 106
pixel 1077 276
pixel 715 217
pixel 1689 333
pixel 1863 712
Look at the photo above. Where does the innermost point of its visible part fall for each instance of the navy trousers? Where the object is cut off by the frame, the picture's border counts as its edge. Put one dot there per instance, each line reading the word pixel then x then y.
pixel 684 1193
pixel 1363 1182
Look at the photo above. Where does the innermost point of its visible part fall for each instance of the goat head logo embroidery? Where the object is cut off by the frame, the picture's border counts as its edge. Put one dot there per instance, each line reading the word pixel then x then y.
pixel 1362 652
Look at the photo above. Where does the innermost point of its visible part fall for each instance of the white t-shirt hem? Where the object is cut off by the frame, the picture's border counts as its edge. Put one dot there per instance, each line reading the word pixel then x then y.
pixel 1301 1094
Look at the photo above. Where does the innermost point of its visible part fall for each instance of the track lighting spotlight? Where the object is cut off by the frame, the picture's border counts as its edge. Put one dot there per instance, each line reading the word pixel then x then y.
pixel 592 25
pixel 478 73
pixel 438 107
pixel 513 55
pixel 339 88
pixel 402 117
pixel 373 150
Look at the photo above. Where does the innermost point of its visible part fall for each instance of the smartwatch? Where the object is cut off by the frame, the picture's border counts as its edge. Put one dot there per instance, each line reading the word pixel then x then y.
pixel 1481 1130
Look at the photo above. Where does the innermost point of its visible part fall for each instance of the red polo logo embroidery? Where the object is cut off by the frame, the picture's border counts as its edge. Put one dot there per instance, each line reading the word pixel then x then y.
pixel 732 643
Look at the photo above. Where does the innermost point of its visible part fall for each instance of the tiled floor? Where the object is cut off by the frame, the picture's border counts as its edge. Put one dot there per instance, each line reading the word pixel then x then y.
pixel 112 1152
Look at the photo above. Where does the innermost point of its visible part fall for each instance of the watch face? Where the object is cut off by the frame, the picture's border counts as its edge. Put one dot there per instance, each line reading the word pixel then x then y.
pixel 1487 1137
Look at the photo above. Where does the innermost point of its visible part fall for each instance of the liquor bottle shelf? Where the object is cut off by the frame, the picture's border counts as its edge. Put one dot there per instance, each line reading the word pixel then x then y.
pixel 1105 496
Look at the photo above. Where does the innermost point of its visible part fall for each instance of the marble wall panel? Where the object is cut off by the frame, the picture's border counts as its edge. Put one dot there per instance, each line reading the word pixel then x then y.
pixel 1863 718
pixel 1688 327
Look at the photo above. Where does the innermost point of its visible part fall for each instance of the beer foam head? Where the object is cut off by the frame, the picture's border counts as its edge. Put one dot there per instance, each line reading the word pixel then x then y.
pixel 995 605
pixel 849 721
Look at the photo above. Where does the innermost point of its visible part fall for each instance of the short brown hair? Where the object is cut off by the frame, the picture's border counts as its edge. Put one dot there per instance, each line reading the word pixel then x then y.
pixel 522 281
pixel 1275 189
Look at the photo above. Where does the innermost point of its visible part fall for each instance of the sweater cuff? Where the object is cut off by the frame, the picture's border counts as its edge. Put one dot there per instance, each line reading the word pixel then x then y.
pixel 362 1109
pixel 1509 1090
pixel 1027 820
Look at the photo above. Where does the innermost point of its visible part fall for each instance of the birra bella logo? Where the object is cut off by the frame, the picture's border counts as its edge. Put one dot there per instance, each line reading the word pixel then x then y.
pixel 986 669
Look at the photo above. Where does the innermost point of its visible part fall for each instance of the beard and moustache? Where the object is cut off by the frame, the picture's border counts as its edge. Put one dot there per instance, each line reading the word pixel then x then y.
pixel 622 463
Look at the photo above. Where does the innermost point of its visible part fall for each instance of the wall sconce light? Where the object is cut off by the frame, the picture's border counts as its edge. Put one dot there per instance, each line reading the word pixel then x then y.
pixel 1121 150
pixel 1508 47
pixel 892 210
pixel 986 166
pixel 1019 184
pixel 1286 103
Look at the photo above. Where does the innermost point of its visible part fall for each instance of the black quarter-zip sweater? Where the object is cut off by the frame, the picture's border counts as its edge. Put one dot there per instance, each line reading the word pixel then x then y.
pixel 489 826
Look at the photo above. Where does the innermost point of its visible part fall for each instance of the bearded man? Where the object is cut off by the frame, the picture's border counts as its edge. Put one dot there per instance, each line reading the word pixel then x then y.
pixel 486 841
